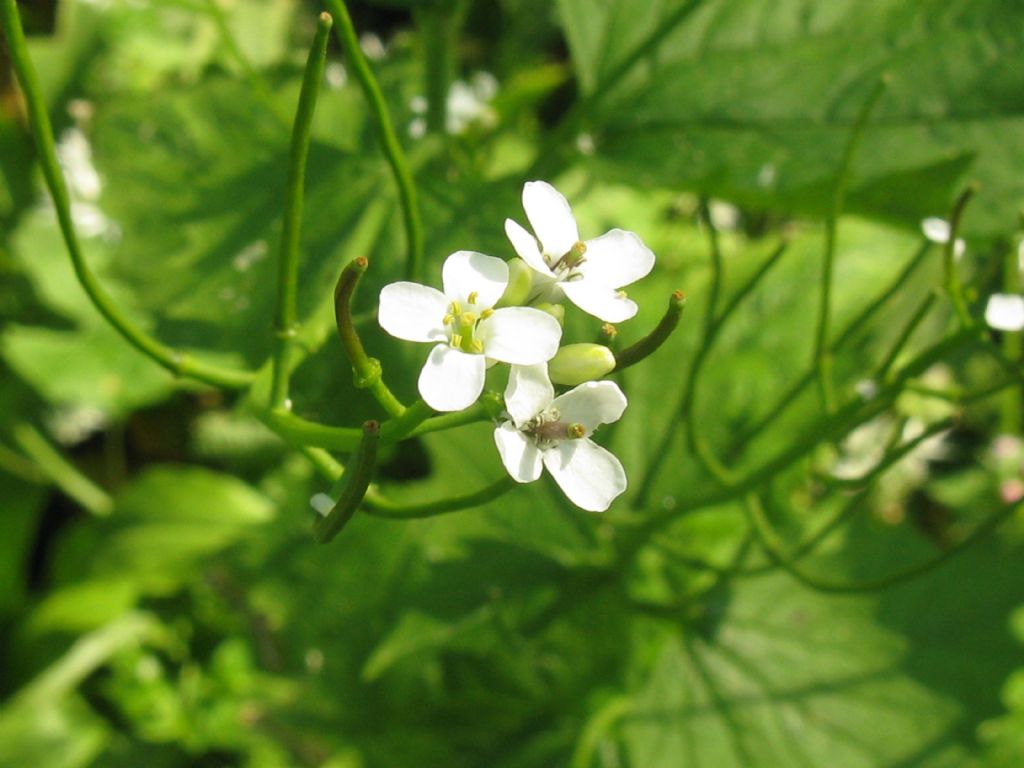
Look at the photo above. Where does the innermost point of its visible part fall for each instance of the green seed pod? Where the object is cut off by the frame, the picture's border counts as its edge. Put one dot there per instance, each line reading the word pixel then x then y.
pixel 577 363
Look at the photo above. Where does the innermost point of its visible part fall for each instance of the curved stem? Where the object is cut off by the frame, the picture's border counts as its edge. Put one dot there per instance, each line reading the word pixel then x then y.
pixel 367 370
pixel 649 343
pixel 346 35
pixel 285 315
pixel 354 482
pixel 901 341
pixel 174 361
pixel 770 542
pixel 378 506
pixel 822 350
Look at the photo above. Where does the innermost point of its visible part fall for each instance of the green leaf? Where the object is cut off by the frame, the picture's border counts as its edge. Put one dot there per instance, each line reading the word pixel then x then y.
pixel 753 100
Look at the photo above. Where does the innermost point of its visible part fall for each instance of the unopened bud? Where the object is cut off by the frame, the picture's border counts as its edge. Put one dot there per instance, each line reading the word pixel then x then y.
pixel 577 363
pixel 557 311
pixel 520 281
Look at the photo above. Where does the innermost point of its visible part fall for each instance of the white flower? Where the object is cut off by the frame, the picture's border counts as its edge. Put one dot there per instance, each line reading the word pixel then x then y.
pixel 1005 312
pixel 554 432
pixel 466 330
pixel 937 230
pixel 589 273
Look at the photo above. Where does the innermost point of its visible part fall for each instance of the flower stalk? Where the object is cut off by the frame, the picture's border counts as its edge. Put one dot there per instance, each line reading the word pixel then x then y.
pixel 651 342
pixel 285 316
pixel 351 486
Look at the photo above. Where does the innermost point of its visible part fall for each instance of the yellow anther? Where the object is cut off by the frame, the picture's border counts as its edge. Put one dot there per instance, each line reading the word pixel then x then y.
pixel 486 313
pixel 456 340
pixel 454 308
pixel 621 294
pixel 473 296
pixel 478 346
pixel 448 320
pixel 576 431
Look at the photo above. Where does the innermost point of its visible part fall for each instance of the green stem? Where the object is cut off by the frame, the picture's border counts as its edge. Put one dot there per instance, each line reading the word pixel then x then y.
pixel 1011 420
pixel 174 361
pixel 903 339
pixel 822 350
pixel 354 482
pixel 366 370
pixel 300 432
pixel 378 506
pixel 856 324
pixel 770 542
pixel 435 24
pixel 346 35
pixel 62 472
pixel 285 314
pixel 952 274
pixel 715 249
pixel 652 341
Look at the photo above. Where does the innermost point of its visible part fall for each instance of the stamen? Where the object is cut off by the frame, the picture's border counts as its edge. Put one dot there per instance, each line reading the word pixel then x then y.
pixel 454 308
pixel 575 431
pixel 473 296
pixel 448 320
pixel 456 340
pixel 467 319
pixel 478 346
pixel 486 313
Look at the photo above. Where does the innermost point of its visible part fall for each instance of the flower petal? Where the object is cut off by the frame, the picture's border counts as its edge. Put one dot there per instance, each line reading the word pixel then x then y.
pixel 588 474
pixel 551 218
pixel 1005 312
pixel 412 312
pixel 526 246
pixel 591 404
pixel 935 229
pixel 451 379
pixel 599 300
pixel 529 392
pixel 519 454
pixel 519 335
pixel 617 258
pixel 466 272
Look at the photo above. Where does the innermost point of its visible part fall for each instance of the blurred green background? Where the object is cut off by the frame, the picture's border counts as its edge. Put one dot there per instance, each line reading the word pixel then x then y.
pixel 162 601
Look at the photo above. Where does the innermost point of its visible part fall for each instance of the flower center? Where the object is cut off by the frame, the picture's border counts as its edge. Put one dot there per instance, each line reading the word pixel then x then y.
pixel 461 324
pixel 547 430
pixel 566 266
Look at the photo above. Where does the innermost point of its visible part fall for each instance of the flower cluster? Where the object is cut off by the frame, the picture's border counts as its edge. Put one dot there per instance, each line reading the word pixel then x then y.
pixel 491 311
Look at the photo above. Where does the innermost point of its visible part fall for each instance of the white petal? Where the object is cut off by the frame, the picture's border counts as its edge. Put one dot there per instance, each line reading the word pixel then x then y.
pixel 936 230
pixel 591 404
pixel 529 392
pixel 551 218
pixel 519 454
pixel 1005 312
pixel 412 312
pixel 466 272
pixel 599 300
pixel 526 246
pixel 519 335
pixel 588 474
pixel 617 258
pixel 451 379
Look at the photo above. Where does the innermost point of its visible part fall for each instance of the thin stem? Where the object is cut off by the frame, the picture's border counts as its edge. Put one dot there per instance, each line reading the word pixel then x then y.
pixel 42 133
pixel 770 542
pixel 1011 420
pixel 354 482
pixel 953 286
pixel 652 341
pixel 301 432
pixel 396 158
pixel 905 335
pixel 715 251
pixel 62 472
pixel 822 350
pixel 856 324
pixel 487 407
pixel 366 370
pixel 378 506
pixel 436 25
pixel 285 314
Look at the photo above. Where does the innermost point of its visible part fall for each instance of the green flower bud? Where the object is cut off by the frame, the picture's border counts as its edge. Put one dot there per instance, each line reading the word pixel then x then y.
pixel 557 311
pixel 520 281
pixel 577 363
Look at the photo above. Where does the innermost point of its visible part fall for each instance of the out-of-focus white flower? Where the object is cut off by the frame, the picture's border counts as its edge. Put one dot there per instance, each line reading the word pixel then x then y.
pixel 75 157
pixel 335 75
pixel 1005 312
pixel 372 46
pixel 724 215
pixel 937 231
pixel 467 104
pixel 466 331
pixel 554 432
pixel 590 273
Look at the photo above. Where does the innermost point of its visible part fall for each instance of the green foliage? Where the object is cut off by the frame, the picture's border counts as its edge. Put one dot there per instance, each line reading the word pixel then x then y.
pixel 199 624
